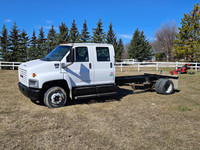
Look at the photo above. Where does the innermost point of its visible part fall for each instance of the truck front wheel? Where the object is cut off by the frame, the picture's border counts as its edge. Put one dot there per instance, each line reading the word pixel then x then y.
pixel 55 97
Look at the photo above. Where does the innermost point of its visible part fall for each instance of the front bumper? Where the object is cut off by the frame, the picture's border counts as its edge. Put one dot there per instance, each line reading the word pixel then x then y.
pixel 31 93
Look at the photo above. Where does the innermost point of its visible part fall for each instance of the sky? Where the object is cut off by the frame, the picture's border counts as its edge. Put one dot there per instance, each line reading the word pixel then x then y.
pixel 125 15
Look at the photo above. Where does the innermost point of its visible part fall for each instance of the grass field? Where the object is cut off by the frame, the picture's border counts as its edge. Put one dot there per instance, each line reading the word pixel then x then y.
pixel 132 120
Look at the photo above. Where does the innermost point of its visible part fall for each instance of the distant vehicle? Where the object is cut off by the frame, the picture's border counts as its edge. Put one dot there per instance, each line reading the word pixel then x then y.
pixel 81 70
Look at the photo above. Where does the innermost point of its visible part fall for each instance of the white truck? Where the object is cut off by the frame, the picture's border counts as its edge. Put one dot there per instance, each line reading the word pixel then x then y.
pixel 81 70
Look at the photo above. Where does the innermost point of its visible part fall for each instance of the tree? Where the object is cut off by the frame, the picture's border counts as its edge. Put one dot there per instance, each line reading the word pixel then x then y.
pixel 98 34
pixel 139 48
pixel 74 34
pixel 63 36
pixel 119 50
pixel 186 44
pixel 14 39
pixel 33 51
pixel 111 36
pixel 4 44
pixel 41 45
pixel 164 38
pixel 23 49
pixel 51 39
pixel 85 36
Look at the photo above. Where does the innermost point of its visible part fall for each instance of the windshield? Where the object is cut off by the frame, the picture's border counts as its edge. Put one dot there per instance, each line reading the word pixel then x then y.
pixel 57 54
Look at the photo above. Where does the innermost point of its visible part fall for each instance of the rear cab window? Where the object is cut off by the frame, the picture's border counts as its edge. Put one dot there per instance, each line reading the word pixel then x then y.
pixel 103 54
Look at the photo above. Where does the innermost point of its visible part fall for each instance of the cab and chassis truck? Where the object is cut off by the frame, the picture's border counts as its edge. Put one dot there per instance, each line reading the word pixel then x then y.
pixel 82 70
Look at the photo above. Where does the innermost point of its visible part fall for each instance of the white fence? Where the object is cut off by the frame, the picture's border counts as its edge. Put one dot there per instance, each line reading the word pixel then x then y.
pixel 12 65
pixel 122 65
pixel 155 65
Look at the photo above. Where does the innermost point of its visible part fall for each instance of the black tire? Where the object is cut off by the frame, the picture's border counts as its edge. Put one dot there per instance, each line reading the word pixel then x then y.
pixel 157 85
pixel 55 97
pixel 165 87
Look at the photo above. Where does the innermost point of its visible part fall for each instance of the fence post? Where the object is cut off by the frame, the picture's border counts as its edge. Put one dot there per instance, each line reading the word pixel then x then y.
pixel 157 66
pixel 138 66
pixel 121 66
pixel 0 65
pixel 13 65
pixel 196 67
pixel 177 65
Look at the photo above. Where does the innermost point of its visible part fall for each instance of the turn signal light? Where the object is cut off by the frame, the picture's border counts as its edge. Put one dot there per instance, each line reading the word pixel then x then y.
pixel 34 75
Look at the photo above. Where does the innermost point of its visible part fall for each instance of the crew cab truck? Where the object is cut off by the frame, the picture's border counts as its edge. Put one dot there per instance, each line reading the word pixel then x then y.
pixel 81 70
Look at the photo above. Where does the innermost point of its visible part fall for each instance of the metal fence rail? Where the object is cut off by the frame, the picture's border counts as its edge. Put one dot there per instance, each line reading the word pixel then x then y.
pixel 155 65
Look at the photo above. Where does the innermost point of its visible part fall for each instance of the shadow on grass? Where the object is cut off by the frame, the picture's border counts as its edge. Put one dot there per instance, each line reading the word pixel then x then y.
pixel 120 94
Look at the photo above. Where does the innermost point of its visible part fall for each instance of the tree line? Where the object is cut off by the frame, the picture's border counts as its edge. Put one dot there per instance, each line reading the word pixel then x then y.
pixel 183 44
pixel 16 45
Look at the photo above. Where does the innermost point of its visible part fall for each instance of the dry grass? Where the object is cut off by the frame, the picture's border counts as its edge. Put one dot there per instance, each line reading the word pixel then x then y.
pixel 133 120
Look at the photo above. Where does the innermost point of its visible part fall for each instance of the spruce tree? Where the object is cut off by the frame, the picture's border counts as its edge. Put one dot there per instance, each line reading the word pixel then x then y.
pixel 51 39
pixel 111 36
pixel 98 34
pixel 119 50
pixel 186 44
pixel 63 36
pixel 14 39
pixel 139 48
pixel 23 49
pixel 74 34
pixel 4 44
pixel 84 37
pixel 41 44
pixel 33 51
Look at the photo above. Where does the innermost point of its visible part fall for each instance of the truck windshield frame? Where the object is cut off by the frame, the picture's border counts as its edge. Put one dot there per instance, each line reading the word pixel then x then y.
pixel 57 54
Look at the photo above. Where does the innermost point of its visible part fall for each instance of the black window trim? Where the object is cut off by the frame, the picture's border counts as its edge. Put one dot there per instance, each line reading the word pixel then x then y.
pixel 108 52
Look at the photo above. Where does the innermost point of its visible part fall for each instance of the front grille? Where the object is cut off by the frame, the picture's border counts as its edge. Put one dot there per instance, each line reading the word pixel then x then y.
pixel 23 76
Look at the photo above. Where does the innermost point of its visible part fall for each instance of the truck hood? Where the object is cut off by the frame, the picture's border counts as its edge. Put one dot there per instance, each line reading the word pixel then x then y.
pixel 32 63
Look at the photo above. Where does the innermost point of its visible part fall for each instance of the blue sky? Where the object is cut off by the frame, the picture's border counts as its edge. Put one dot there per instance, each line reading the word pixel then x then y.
pixel 125 15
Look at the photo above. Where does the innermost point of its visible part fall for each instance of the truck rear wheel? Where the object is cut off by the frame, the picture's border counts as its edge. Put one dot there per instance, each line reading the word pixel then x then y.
pixel 55 97
pixel 164 86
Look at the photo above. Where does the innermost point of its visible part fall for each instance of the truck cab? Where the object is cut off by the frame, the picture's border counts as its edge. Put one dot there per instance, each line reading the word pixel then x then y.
pixel 70 71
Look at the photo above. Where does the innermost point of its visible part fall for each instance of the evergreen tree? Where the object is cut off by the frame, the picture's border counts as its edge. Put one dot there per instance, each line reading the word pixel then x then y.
pixel 111 36
pixel 33 51
pixel 139 48
pixel 84 37
pixel 98 34
pixel 14 39
pixel 119 50
pixel 51 39
pixel 23 49
pixel 74 34
pixel 186 44
pixel 4 43
pixel 41 45
pixel 63 36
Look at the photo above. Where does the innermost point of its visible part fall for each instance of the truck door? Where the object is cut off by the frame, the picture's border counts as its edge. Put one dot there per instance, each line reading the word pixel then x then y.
pixel 104 65
pixel 80 72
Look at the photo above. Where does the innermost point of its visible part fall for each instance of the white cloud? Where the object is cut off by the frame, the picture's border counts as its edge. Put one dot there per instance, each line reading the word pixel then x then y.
pixel 126 36
pixel 7 20
pixel 49 27
pixel 48 21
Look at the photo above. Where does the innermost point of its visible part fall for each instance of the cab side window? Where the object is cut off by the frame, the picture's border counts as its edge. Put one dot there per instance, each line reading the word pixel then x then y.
pixel 81 54
pixel 103 54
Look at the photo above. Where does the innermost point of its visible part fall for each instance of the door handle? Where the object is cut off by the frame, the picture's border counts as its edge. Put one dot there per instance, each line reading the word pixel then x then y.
pixel 110 65
pixel 90 66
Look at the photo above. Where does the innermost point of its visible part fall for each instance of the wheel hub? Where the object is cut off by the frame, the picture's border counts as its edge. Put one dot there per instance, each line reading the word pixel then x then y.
pixel 56 98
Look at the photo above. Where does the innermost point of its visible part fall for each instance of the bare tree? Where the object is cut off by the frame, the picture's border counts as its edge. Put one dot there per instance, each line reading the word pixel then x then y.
pixel 164 38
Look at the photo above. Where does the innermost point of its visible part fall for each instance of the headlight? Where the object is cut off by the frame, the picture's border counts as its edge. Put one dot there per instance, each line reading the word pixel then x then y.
pixel 33 83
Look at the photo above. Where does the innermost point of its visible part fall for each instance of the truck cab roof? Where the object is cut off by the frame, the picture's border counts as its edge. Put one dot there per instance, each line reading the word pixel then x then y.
pixel 86 44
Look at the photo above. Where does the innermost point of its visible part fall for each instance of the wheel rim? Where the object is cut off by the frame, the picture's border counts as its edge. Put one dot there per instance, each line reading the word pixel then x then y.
pixel 56 98
pixel 168 87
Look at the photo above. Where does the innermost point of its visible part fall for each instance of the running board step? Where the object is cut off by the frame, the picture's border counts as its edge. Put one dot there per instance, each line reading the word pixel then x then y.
pixel 95 95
